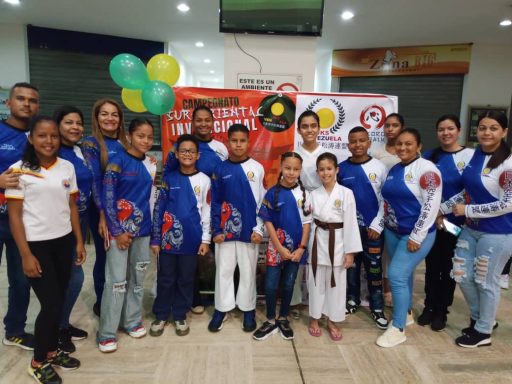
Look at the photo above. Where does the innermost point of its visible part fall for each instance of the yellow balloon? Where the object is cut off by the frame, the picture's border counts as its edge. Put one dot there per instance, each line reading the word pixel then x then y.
pixel 164 68
pixel 132 98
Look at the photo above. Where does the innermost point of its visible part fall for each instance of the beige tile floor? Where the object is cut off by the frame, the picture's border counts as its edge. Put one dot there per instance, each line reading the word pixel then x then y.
pixel 233 357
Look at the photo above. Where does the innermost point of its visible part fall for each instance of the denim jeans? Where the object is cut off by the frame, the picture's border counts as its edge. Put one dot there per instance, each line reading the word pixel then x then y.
pixel 286 273
pixel 98 272
pixel 401 271
pixel 75 282
pixel 439 285
pixel 477 265
pixel 121 304
pixel 19 286
pixel 175 286
pixel 371 258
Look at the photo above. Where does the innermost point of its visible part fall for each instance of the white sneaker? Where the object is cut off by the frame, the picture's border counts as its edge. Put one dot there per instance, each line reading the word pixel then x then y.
pixel 393 336
pixel 137 331
pixel 198 309
pixel 108 345
pixel 503 281
pixel 410 319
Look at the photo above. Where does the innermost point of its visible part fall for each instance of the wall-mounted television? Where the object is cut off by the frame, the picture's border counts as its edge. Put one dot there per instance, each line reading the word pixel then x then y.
pixel 275 17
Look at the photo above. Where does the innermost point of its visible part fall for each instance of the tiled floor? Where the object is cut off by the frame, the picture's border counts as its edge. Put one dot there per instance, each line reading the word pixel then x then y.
pixel 233 357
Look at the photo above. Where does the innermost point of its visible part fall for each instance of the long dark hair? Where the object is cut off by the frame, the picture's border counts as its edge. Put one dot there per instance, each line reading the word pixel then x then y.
pixel 30 159
pixel 279 186
pixel 437 151
pixel 503 151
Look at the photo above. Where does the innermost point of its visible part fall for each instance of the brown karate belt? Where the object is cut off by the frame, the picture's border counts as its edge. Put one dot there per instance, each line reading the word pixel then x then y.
pixel 331 227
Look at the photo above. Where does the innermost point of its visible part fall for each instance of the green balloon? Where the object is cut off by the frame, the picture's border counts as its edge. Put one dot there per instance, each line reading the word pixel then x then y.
pixel 158 97
pixel 128 71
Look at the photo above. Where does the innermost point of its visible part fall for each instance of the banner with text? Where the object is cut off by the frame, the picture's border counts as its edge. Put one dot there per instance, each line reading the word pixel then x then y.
pixel 400 61
pixel 271 118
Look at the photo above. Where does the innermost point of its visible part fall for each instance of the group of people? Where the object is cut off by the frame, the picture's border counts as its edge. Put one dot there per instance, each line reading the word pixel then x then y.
pixel 386 207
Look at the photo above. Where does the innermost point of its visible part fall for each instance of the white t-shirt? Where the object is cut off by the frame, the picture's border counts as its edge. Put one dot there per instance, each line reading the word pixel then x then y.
pixel 45 194
pixel 378 150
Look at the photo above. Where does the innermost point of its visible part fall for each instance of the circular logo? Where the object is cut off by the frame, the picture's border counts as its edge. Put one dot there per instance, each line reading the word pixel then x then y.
pixel 330 112
pixel 250 176
pixel 372 176
pixel 408 177
pixel 337 203
pixel 277 113
pixel 461 165
pixel 486 171
pixel 197 190
pixel 373 116
pixel 430 180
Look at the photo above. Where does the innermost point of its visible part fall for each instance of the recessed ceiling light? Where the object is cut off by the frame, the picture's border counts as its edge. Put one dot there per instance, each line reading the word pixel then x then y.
pixel 207 61
pixel 199 44
pixel 506 22
pixel 347 15
pixel 183 7
pixel 12 2
pixel 212 71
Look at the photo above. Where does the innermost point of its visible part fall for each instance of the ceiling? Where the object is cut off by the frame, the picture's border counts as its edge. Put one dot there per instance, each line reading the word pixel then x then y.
pixel 377 23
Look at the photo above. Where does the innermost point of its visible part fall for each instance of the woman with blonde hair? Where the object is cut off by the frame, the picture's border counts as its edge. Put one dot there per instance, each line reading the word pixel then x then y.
pixel 108 138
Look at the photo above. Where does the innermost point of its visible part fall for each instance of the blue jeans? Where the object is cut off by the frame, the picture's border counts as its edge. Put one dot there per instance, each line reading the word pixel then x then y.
pixel 287 273
pixel 98 272
pixel 19 286
pixel 174 286
pixel 401 271
pixel 121 304
pixel 76 281
pixel 477 265
pixel 371 258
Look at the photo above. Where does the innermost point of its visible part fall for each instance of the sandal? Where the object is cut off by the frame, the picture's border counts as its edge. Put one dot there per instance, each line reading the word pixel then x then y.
pixel 332 329
pixel 315 332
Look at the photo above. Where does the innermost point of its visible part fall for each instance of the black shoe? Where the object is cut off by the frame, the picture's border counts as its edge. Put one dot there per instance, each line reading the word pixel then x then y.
pixel 44 374
pixel 380 319
pixel 351 307
pixel 64 361
pixel 96 308
pixel 65 344
pixel 472 326
pixel 284 328
pixel 439 321
pixel 426 317
pixel 24 341
pixel 217 321
pixel 473 339
pixel 249 324
pixel 77 333
pixel 265 331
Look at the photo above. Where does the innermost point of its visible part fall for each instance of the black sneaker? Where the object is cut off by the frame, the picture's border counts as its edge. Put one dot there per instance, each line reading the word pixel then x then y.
pixel 380 319
pixel 284 328
pixel 351 307
pixel 64 361
pixel 426 317
pixel 472 326
pixel 65 344
pixel 473 339
pixel 249 323
pixel 439 321
pixel 24 341
pixel 265 331
pixel 217 321
pixel 77 333
pixel 44 374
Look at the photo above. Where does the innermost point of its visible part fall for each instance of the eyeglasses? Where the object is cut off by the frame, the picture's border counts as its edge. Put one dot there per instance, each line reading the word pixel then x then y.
pixel 187 152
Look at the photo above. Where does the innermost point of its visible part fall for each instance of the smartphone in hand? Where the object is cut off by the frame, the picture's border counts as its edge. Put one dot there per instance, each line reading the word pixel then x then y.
pixel 449 227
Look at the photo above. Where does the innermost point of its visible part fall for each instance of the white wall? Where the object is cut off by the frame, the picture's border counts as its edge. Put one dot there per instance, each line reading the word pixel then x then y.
pixel 489 81
pixel 323 70
pixel 187 77
pixel 279 55
pixel 14 55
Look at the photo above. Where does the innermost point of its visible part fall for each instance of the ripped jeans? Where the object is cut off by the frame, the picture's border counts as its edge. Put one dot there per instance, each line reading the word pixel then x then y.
pixel 477 265
pixel 121 303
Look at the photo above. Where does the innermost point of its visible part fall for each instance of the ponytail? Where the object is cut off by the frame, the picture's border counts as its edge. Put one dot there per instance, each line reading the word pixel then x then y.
pixel 304 211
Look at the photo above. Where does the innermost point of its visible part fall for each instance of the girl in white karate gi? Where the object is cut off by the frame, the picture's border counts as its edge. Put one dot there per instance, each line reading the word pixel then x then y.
pixel 332 246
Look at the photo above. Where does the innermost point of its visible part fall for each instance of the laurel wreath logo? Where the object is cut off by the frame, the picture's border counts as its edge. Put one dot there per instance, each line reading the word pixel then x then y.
pixel 341 113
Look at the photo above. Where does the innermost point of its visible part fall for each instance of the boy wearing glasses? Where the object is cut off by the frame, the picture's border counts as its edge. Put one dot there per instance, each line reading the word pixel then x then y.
pixel 180 232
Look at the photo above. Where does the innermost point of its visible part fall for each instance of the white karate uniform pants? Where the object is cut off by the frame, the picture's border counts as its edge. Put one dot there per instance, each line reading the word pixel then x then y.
pixel 227 256
pixel 324 299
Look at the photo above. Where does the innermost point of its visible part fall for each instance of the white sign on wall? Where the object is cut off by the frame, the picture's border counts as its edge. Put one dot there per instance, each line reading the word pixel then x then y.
pixel 262 82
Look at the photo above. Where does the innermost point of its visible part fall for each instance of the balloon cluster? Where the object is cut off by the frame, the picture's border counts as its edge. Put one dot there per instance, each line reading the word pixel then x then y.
pixel 146 88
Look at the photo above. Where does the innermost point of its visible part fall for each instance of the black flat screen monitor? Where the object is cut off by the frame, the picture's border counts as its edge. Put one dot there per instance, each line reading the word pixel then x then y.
pixel 275 17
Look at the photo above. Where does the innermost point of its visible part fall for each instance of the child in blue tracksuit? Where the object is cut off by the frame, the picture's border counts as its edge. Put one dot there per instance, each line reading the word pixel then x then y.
pixel 127 189
pixel 286 212
pixel 237 192
pixel 365 175
pixel 181 231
